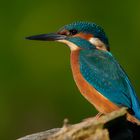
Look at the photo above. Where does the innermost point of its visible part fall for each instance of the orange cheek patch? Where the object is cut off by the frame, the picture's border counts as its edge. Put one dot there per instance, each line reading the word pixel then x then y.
pixel 64 32
pixel 84 36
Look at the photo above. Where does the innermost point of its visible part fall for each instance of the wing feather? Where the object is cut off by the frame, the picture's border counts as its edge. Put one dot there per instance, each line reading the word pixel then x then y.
pixel 103 72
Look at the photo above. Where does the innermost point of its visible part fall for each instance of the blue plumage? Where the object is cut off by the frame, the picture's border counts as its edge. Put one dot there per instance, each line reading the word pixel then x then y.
pixel 89 28
pixel 97 65
pixel 104 73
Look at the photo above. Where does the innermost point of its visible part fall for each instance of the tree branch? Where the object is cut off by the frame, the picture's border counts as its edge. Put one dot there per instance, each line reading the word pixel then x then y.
pixel 112 126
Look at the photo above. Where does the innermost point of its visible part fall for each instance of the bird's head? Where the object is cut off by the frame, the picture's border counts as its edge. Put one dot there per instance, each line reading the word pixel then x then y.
pixel 78 35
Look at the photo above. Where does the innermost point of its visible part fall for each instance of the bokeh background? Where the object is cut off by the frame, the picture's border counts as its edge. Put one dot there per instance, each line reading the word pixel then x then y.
pixel 37 90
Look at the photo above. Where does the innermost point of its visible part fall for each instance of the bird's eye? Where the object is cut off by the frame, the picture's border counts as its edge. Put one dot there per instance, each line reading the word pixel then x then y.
pixel 73 32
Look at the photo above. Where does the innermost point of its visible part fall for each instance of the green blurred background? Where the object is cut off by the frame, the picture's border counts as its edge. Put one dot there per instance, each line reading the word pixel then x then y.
pixel 37 90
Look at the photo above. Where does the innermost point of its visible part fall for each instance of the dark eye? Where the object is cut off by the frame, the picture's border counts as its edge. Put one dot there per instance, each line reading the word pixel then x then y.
pixel 73 32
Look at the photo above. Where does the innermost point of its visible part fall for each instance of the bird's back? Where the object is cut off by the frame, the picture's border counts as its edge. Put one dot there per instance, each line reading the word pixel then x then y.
pixel 103 72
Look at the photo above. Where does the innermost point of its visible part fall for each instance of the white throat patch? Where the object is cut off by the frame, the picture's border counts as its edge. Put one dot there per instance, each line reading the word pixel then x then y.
pixel 97 43
pixel 72 46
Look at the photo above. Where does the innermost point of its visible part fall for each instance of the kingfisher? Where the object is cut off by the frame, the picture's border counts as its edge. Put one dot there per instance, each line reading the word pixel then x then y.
pixel 98 75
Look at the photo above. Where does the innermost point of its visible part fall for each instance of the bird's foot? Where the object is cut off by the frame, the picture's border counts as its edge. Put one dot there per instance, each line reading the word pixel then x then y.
pixel 95 117
pixel 132 119
pixel 98 115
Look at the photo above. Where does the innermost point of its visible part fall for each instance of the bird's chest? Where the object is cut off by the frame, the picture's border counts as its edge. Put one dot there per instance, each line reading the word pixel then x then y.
pixel 101 103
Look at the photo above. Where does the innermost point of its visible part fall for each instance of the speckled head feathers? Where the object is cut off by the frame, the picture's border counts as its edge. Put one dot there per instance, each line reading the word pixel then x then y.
pixel 78 35
pixel 89 28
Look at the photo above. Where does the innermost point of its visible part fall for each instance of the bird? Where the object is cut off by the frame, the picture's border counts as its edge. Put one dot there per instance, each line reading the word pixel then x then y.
pixel 98 75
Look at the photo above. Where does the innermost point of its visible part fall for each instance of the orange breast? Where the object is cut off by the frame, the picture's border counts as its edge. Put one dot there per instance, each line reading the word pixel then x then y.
pixel 101 103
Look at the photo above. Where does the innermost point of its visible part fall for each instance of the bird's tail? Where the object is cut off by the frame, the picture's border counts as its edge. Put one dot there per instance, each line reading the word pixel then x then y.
pixel 135 102
pixel 136 106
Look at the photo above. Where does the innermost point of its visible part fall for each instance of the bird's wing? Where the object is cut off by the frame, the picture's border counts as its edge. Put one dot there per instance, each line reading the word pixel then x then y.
pixel 102 71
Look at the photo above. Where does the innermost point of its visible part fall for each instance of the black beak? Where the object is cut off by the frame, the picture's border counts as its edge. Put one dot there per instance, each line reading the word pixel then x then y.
pixel 47 37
